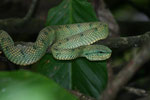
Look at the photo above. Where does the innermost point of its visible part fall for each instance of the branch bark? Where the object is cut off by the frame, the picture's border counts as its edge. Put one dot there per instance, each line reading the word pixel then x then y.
pixel 136 91
pixel 126 42
pixel 82 96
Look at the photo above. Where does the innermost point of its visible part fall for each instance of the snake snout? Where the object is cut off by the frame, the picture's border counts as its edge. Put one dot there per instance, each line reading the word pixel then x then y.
pixel 97 53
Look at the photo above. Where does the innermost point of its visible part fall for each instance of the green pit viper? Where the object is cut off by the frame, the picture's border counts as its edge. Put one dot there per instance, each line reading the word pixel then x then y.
pixel 67 42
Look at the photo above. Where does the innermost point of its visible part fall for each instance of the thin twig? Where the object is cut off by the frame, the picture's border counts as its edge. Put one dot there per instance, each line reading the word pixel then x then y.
pixel 15 22
pixel 82 96
pixel 136 91
pixel 30 11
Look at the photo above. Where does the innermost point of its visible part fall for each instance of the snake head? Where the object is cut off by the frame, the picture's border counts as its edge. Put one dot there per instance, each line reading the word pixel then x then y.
pixel 97 52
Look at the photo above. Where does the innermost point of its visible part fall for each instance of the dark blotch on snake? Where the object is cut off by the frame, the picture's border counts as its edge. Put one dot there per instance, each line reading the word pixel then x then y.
pixel 49 29
pixel 96 29
pixel 7 48
pixel 90 24
pixel 60 27
pixel 78 25
pixel 67 26
pixel 72 50
pixel 67 39
pixel 34 47
pixel 81 34
pixel 46 33
pixel 55 49
pixel 5 39
pixel 57 54
pixel 105 25
pixel 43 41
pixel 22 52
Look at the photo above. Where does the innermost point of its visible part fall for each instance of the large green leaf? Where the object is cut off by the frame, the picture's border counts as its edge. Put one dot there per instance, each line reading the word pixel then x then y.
pixel 71 11
pixel 80 74
pixel 60 71
pixel 89 77
pixel 25 85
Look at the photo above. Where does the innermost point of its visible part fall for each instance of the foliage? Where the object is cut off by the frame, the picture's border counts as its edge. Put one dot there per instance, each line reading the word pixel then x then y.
pixel 25 85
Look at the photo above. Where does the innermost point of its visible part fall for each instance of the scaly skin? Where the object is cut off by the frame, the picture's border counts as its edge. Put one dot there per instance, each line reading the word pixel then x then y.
pixel 69 42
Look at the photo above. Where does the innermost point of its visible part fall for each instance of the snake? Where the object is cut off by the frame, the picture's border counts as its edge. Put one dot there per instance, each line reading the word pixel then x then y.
pixel 67 42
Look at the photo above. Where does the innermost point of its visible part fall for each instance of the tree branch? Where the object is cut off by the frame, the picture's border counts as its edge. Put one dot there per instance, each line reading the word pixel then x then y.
pixel 136 91
pixel 126 42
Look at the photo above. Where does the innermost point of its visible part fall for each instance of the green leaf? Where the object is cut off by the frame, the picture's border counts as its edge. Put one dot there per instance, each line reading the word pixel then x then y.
pixel 71 11
pixel 89 77
pixel 25 85
pixel 60 71
pixel 80 74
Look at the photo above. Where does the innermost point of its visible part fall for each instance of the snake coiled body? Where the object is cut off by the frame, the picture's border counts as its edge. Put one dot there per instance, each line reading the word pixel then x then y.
pixel 68 42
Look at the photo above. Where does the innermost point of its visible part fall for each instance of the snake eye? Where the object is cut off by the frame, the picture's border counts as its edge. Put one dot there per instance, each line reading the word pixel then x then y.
pixel 101 52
